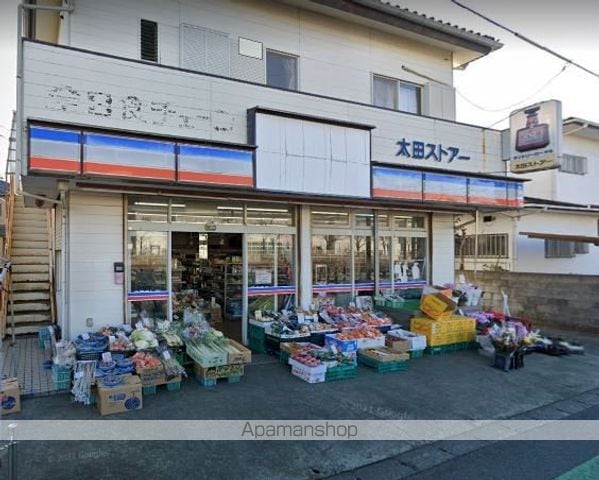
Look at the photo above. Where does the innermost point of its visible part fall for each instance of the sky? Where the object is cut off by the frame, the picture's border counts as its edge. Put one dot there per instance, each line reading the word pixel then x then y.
pixel 503 81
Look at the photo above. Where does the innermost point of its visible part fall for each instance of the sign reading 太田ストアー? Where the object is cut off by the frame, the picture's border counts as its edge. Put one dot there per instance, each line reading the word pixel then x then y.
pixel 536 137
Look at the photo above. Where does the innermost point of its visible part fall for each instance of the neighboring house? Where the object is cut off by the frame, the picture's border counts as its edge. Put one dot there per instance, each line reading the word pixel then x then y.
pixel 558 229
pixel 294 148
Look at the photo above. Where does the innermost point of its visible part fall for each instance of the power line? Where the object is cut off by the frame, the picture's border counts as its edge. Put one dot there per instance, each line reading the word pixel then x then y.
pixel 528 40
pixel 536 92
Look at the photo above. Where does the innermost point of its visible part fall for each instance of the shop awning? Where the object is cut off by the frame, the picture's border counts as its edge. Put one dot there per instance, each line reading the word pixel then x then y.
pixel 563 237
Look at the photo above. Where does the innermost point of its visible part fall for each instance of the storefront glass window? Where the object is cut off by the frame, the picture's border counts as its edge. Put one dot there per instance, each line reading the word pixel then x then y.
pixel 148 294
pixel 384 262
pixel 329 217
pixel 364 219
pixel 363 259
pixel 147 209
pixel 258 214
pixel 409 259
pixel 271 273
pixel 409 221
pixel 185 210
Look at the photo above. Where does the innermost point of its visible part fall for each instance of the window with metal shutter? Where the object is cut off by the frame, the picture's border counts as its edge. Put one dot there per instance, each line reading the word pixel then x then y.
pixel 205 50
pixel 559 249
pixel 149 40
pixel 193 48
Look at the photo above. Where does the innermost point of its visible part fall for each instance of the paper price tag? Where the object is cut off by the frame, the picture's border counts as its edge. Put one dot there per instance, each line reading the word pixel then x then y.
pixel 111 339
pixel 78 375
pixel 146 322
pixel 85 336
pixel 139 326
pixel 166 354
pixel 301 318
pixel 258 314
pixel 107 357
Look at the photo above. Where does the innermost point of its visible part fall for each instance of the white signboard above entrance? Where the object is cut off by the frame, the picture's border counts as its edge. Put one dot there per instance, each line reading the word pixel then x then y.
pixel 536 137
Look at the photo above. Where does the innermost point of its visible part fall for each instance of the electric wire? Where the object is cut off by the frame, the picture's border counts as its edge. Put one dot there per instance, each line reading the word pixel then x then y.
pixel 527 40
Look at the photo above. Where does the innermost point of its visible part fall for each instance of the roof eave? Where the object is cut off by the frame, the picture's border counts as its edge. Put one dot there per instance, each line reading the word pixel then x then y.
pixel 459 38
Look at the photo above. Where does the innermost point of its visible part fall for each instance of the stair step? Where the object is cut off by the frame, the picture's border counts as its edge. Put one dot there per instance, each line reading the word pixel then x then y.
pixel 26 221
pixel 29 236
pixel 29 260
pixel 33 213
pixel 30 230
pixel 28 328
pixel 30 268
pixel 28 317
pixel 30 277
pixel 30 296
pixel 30 286
pixel 30 244
pixel 24 252
pixel 42 306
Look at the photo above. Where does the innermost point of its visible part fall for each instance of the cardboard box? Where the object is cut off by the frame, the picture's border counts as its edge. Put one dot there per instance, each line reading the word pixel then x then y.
pixel 154 376
pixel 437 305
pixel 397 344
pixel 122 398
pixel 244 356
pixel 417 342
pixel 384 354
pixel 10 397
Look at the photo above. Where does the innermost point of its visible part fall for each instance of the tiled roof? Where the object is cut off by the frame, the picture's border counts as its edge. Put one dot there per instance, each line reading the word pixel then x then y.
pixel 432 22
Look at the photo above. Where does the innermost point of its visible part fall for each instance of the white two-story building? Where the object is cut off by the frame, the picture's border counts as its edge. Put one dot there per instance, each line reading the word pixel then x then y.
pixel 558 229
pixel 263 153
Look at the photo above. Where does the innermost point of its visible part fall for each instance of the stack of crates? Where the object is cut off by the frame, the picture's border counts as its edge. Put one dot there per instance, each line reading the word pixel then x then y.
pixel 257 338
pixel 448 330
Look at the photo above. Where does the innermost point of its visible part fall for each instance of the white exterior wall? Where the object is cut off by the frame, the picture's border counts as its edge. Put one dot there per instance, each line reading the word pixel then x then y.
pixel 337 58
pixel 531 252
pixel 574 188
pixel 95 243
pixel 80 88
pixel 443 246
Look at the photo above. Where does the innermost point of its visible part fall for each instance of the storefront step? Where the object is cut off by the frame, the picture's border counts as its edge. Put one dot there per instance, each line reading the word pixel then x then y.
pixel 31 318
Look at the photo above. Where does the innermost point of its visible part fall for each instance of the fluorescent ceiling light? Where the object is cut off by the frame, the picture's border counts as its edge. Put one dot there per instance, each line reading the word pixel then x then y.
pixel 282 210
pixel 152 204
pixel 331 213
pixel 229 208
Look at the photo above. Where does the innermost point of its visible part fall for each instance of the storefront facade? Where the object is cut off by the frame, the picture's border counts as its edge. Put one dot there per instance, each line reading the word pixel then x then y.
pixel 181 177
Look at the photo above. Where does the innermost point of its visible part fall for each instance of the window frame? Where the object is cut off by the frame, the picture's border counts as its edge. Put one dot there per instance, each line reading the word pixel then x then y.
pixel 498 238
pixel 286 54
pixel 398 82
pixel 555 252
pixel 574 162
pixel 155 23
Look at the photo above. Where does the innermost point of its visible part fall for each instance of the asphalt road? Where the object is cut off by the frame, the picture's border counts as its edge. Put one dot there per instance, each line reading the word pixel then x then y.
pixel 521 460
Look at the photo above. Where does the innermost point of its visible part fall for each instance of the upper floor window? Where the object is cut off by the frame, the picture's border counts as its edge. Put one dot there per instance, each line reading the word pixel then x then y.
pixel 574 164
pixel 281 70
pixel 148 39
pixel 489 245
pixel 396 94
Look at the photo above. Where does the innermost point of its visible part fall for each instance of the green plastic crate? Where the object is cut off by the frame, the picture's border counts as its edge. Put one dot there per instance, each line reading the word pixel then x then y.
pixel 284 357
pixel 383 367
pixel 257 346
pixel 256 332
pixel 341 372
pixel 61 377
pixel 416 354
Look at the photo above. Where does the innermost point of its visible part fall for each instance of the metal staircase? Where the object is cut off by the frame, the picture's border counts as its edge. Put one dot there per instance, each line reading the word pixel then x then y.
pixel 27 296
pixel 31 268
